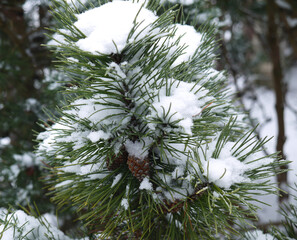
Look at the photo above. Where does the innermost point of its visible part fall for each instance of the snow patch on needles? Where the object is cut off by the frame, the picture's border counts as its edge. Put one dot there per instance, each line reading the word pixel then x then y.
pixel 22 226
pixel 124 22
pixel 224 172
pixel 117 179
pixel 145 184
pixel 125 203
pixel 227 169
pixel 259 235
pixel 95 136
pixel 181 104
pixel 187 37
pixel 115 20
pixel 138 149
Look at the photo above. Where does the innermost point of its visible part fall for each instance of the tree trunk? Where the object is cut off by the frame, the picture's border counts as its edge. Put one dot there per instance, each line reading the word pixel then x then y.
pixel 273 43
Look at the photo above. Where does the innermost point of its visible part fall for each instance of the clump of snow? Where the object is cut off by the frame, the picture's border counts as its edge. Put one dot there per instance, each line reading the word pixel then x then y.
pixel 53 78
pixel 76 2
pixel 178 171
pixel 224 172
pixel 30 104
pixel 49 137
pixel 187 37
pixel 146 184
pixel 283 4
pixel 50 218
pixel 59 37
pixel 15 170
pixel 125 22
pixel 31 10
pixel 27 159
pixel 292 22
pixel 4 142
pixel 21 226
pixel 95 136
pixel 258 235
pixel 90 110
pixel 96 111
pixel 138 149
pixel 226 169
pixel 125 203
pixel 63 183
pixel 82 169
pixel 117 179
pixel 116 20
pixel 181 105
pixel 183 2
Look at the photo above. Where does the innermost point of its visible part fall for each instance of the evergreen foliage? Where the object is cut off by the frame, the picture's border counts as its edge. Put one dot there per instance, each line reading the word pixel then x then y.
pixel 148 144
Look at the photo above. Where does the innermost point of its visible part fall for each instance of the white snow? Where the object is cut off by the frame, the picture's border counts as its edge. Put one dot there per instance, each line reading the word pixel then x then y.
pixel 30 104
pixel 30 227
pixel 125 203
pixel 51 219
pixel 259 235
pixel 95 136
pixel 49 138
pixel 146 184
pixel 53 78
pixel 4 142
pixel 186 36
pixel 178 171
pixel 80 169
pixel 225 172
pixel 183 104
pixel 31 8
pixel 63 183
pixel 292 22
pixel 283 4
pixel 95 111
pixel 183 2
pixel 27 159
pixel 138 149
pixel 116 179
pixel 76 2
pixel 116 20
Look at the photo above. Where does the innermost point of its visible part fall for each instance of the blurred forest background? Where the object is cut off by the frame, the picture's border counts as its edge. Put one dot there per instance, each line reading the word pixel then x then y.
pixel 257 47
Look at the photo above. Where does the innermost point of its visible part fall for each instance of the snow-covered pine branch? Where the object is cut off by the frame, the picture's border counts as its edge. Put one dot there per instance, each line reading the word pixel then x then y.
pixel 148 144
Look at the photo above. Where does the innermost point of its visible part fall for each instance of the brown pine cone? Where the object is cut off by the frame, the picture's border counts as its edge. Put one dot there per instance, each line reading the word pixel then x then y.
pixel 139 167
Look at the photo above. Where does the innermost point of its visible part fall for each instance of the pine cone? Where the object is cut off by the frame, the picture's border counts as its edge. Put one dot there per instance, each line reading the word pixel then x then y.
pixel 139 167
pixel 115 161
